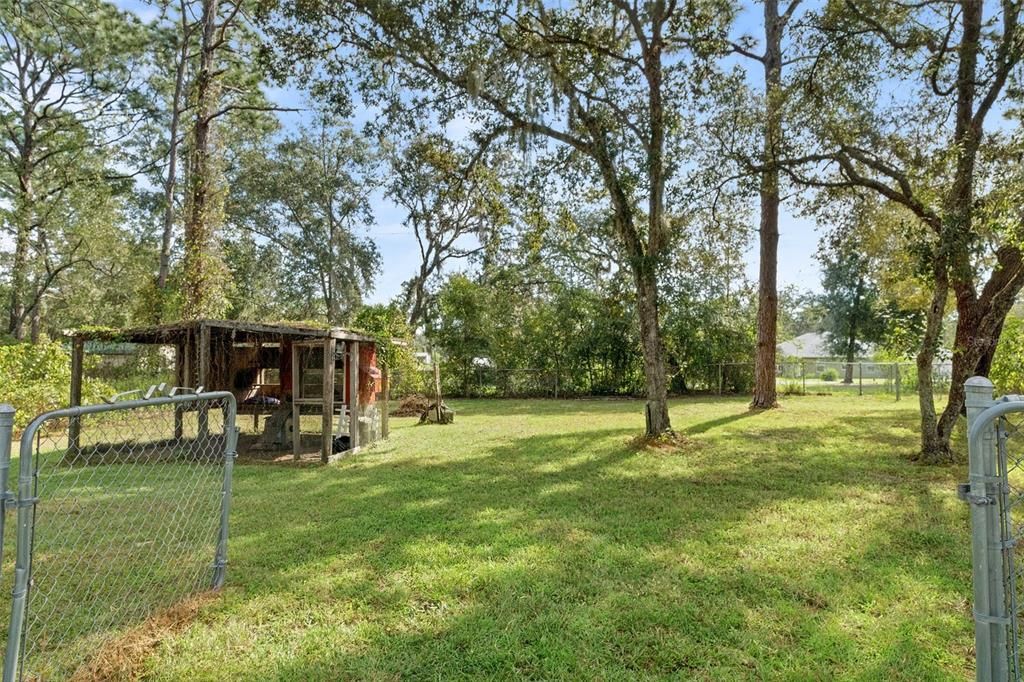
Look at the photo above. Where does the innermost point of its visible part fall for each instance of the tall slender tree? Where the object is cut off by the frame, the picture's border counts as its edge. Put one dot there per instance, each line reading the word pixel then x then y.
pixel 66 76
pixel 771 58
pixel 452 203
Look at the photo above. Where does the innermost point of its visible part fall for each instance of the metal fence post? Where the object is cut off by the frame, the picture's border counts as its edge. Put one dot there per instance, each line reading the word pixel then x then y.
pixel 23 548
pixel 6 433
pixel 982 491
pixel 898 380
pixel 230 452
pixel 860 378
pixel 803 376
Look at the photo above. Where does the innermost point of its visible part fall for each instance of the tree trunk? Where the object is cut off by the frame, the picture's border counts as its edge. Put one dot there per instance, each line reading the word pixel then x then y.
pixel 19 279
pixel 851 331
pixel 200 279
pixel 980 316
pixel 23 238
pixel 656 411
pixel 765 395
pixel 167 238
pixel 933 449
pixel 979 325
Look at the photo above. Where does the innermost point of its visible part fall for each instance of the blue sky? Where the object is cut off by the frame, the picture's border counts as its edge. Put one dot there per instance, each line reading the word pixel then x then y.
pixel 798 240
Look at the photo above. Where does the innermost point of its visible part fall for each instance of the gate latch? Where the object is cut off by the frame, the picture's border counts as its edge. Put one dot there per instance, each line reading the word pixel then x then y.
pixel 963 491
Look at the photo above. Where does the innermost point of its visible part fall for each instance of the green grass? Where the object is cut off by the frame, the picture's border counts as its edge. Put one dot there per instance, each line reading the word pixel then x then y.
pixel 531 540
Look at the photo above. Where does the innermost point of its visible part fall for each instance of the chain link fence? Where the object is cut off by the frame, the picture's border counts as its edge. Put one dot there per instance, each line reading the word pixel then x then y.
pixel 121 513
pixel 793 377
pixel 995 493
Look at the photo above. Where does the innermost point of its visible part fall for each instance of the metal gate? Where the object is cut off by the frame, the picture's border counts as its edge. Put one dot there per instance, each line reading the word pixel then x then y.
pixel 995 493
pixel 122 511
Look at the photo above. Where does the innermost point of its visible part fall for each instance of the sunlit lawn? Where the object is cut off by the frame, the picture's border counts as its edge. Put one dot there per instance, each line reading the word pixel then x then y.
pixel 533 540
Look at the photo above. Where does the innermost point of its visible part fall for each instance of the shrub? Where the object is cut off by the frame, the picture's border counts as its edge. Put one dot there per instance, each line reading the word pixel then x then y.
pixel 1008 364
pixel 35 378
pixel 829 375
pixel 792 387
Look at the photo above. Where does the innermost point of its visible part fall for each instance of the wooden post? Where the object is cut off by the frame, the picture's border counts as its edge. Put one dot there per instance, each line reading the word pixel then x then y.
pixel 259 382
pixel 296 414
pixel 77 361
pixel 204 378
pixel 204 357
pixel 385 389
pixel 437 384
pixel 188 365
pixel 179 369
pixel 353 394
pixel 327 435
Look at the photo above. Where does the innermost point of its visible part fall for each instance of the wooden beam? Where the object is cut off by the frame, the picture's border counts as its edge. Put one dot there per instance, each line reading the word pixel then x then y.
pixel 179 379
pixel 353 394
pixel 296 416
pixel 385 389
pixel 204 379
pixel 188 365
pixel 204 357
pixel 77 363
pixel 327 435
pixel 437 383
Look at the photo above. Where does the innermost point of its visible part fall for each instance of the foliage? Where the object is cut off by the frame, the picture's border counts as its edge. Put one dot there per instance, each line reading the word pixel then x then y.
pixel 453 206
pixel 302 200
pixel 829 375
pixel 386 323
pixel 1008 365
pixel 850 300
pixel 68 95
pixel 800 312
pixel 36 378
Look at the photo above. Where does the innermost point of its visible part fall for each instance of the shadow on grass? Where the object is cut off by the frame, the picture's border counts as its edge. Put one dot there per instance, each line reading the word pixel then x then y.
pixel 704 427
pixel 785 551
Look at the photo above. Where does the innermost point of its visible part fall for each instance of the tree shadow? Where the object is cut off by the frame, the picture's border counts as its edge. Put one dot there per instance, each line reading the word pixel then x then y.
pixel 568 554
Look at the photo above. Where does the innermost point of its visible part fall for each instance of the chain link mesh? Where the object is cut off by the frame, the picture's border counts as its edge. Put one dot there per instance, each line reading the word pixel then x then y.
pixel 126 524
pixel 1011 508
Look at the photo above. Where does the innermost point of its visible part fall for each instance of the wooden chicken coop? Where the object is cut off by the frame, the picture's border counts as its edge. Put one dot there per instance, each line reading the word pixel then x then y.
pixel 287 375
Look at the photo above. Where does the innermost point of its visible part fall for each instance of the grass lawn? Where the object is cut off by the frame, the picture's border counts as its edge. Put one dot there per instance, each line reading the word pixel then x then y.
pixel 534 540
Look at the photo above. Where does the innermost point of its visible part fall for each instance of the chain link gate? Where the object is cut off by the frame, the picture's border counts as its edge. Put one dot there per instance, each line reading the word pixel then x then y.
pixel 122 511
pixel 995 493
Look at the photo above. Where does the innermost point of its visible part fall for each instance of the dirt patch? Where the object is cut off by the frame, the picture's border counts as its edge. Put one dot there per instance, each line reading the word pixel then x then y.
pixel 665 444
pixel 123 658
pixel 411 406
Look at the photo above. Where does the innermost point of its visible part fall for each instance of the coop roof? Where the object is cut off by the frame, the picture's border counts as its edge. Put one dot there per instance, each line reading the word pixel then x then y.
pixel 172 333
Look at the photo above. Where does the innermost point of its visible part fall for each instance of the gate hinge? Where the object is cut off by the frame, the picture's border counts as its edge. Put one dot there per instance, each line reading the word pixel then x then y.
pixel 7 500
pixel 963 491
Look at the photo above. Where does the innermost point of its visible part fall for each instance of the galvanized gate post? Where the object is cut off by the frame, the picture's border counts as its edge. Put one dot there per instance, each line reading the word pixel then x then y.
pixel 26 503
pixel 230 452
pixel 982 492
pixel 6 433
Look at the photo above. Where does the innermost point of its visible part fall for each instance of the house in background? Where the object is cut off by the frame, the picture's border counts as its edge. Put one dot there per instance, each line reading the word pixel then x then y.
pixel 812 350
